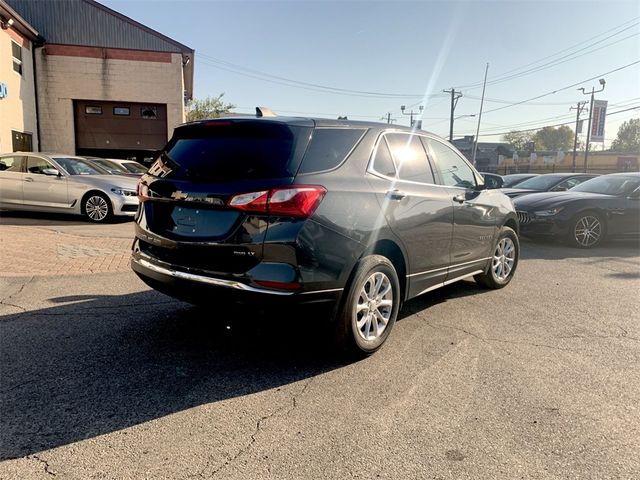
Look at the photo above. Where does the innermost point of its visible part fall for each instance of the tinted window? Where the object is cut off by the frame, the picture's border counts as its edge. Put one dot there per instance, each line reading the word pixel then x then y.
pixel 222 151
pixel 37 165
pixel 410 157
pixel 570 183
pixel 11 164
pixel 609 185
pixel 76 166
pixel 383 163
pixel 543 182
pixel 454 170
pixel 134 167
pixel 328 148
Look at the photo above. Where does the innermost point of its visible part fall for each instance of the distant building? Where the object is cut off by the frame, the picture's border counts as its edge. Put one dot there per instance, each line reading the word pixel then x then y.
pixel 488 154
pixel 105 84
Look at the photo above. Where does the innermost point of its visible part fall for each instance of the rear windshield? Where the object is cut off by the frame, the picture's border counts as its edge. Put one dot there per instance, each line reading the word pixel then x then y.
pixel 223 151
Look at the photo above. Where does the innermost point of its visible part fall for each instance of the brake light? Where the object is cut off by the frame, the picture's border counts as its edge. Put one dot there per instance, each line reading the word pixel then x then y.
pixel 294 201
pixel 143 192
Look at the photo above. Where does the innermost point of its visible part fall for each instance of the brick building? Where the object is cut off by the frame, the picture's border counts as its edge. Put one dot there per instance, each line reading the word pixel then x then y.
pixel 105 84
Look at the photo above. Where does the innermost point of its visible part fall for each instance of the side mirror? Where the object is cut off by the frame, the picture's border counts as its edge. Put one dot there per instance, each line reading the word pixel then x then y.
pixel 51 171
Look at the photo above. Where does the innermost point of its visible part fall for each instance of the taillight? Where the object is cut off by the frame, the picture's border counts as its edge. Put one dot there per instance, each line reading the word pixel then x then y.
pixel 293 201
pixel 143 192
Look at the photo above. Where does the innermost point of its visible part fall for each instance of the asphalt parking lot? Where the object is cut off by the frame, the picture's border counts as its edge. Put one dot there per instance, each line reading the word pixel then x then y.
pixel 101 377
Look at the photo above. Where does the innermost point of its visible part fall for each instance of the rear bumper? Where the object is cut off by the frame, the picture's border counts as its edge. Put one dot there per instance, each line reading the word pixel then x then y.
pixel 200 287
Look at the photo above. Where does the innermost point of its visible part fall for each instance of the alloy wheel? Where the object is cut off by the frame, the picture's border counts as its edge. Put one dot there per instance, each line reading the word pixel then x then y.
pixel 374 307
pixel 504 258
pixel 587 231
pixel 97 208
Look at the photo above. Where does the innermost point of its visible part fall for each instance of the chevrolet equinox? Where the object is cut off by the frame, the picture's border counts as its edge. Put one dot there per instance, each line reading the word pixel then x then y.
pixel 355 216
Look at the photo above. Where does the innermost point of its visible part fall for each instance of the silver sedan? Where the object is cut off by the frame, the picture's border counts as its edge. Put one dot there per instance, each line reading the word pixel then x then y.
pixel 64 183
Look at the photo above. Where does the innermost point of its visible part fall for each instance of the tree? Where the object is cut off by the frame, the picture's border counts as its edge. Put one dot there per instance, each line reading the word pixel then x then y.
pixel 554 139
pixel 628 139
pixel 210 107
pixel 518 140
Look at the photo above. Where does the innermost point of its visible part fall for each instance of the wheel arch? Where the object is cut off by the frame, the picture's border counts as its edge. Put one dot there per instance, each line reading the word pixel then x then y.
pixel 392 251
pixel 90 192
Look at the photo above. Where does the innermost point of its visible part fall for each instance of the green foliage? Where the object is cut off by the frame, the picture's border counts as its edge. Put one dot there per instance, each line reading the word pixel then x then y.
pixel 518 140
pixel 628 139
pixel 554 139
pixel 209 107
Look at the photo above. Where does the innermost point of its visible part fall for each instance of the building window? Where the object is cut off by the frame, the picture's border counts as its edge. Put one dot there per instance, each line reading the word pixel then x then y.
pixel 93 110
pixel 150 113
pixel 121 111
pixel 16 53
pixel 21 142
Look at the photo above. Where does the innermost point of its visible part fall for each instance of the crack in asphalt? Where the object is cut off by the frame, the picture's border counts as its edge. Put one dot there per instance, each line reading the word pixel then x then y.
pixel 22 287
pixel 258 429
pixel 488 340
pixel 45 463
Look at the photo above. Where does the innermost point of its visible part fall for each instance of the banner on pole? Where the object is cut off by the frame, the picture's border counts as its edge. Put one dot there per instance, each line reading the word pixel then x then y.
pixel 598 117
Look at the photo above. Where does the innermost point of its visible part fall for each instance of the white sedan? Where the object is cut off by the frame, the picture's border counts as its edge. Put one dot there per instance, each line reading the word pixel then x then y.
pixel 65 184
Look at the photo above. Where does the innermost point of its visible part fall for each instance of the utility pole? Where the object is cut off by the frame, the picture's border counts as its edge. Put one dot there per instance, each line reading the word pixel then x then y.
pixel 584 92
pixel 388 118
pixel 403 108
pixel 454 101
pixel 475 144
pixel 579 108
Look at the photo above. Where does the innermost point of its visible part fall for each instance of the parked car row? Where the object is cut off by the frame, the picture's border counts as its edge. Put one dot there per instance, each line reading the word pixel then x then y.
pixel 96 188
pixel 581 208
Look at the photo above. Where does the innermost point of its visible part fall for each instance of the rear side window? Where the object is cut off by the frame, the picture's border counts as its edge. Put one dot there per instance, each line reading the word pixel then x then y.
pixel 383 163
pixel 11 164
pixel 410 158
pixel 223 151
pixel 454 170
pixel 329 147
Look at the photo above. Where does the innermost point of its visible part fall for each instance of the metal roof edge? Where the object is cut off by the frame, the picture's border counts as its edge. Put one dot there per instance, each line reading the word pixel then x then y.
pixel 27 29
pixel 183 48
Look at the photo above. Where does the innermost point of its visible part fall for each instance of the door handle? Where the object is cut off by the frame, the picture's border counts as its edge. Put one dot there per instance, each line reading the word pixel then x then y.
pixel 395 195
pixel 28 179
pixel 459 198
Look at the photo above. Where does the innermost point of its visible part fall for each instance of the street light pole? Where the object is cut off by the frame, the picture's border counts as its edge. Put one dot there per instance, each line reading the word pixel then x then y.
pixel 403 108
pixel 593 92
pixel 475 144
pixel 579 109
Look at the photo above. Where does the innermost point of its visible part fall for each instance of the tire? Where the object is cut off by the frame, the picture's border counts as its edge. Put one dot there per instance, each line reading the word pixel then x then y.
pixel 587 230
pixel 373 297
pixel 504 261
pixel 97 207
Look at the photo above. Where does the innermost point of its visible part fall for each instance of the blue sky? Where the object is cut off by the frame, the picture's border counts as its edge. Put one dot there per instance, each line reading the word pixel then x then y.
pixel 408 48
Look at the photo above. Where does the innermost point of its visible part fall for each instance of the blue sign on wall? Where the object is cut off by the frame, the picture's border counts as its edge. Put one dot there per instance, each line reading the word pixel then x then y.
pixel 4 91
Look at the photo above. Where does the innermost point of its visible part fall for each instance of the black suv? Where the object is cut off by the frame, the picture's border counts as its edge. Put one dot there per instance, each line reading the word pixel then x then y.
pixel 352 215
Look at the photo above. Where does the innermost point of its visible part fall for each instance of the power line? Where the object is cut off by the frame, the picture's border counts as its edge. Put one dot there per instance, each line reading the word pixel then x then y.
pixel 565 88
pixel 493 134
pixel 276 79
pixel 478 84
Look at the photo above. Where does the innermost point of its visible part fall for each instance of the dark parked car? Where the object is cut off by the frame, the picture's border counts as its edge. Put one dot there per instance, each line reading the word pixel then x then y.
pixel 492 180
pixel 354 216
pixel 549 182
pixel 607 206
pixel 514 179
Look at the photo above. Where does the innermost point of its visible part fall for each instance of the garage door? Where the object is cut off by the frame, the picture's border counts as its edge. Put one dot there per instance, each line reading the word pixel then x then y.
pixel 122 126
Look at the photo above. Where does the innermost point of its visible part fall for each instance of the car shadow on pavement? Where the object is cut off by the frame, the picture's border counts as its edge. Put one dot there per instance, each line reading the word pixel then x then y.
pixel 34 219
pixel 554 249
pixel 93 365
